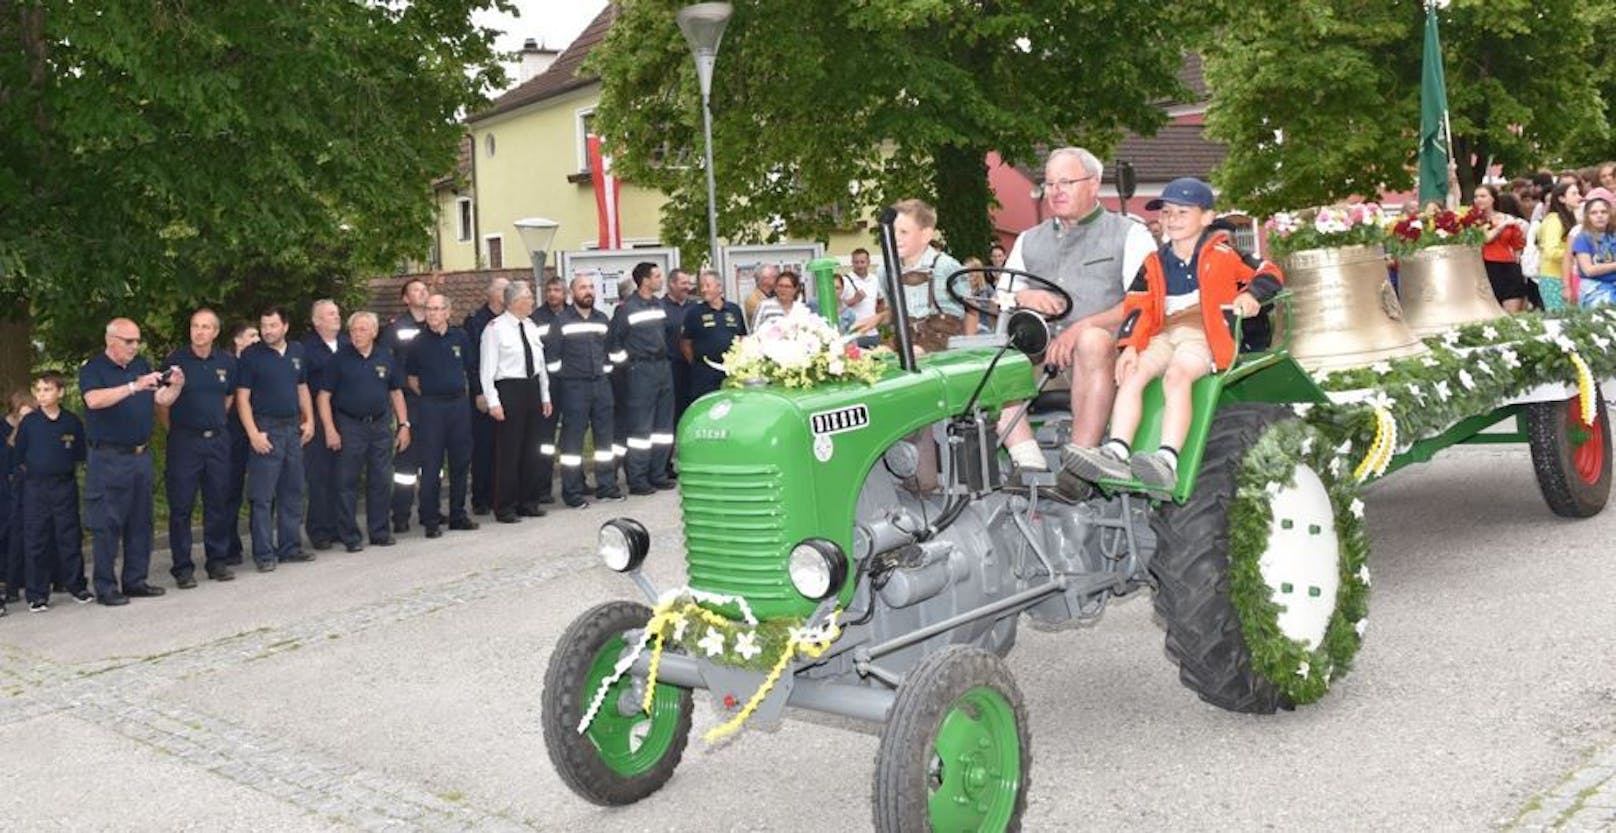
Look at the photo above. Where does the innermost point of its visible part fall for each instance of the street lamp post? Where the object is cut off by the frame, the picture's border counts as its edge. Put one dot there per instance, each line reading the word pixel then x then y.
pixel 537 234
pixel 703 25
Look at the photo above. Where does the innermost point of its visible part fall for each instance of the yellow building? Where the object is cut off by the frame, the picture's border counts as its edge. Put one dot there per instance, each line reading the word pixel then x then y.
pixel 527 158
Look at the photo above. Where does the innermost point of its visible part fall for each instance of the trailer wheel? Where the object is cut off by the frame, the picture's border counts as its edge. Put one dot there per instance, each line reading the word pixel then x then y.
pixel 954 754
pixel 620 758
pixel 1572 460
pixel 1261 581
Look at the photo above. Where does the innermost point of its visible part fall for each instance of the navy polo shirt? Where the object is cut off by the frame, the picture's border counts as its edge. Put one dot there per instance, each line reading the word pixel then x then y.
pixel 359 385
pixel 443 362
pixel 273 379
pixel 130 421
pixel 208 381
pixel 319 357
pixel 50 446
pixel 712 330
pixel 1180 274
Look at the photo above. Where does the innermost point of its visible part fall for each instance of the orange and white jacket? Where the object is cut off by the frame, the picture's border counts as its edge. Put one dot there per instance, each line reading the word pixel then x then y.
pixel 1221 271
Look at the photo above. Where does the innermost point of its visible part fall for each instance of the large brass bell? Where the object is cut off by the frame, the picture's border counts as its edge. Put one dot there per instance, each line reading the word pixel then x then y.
pixel 1345 312
pixel 1443 287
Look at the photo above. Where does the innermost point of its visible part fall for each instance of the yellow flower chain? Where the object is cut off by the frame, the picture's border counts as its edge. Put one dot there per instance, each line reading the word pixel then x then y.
pixel 1381 448
pixel 811 644
pixel 660 623
pixel 1585 388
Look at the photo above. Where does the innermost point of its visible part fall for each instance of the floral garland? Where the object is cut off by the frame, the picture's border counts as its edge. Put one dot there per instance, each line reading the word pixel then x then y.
pixel 680 619
pixel 1325 227
pixel 1302 675
pixel 800 352
pixel 1469 370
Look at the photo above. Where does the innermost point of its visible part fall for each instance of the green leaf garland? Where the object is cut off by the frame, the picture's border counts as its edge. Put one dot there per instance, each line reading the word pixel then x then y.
pixel 1302 675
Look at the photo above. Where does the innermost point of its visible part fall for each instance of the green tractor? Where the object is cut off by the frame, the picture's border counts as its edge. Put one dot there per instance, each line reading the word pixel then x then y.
pixel 826 573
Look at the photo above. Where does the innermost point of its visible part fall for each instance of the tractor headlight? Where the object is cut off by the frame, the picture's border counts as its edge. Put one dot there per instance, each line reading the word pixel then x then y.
pixel 817 568
pixel 623 544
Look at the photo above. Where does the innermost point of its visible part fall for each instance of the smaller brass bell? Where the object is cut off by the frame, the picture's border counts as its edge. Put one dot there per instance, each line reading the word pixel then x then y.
pixel 1445 286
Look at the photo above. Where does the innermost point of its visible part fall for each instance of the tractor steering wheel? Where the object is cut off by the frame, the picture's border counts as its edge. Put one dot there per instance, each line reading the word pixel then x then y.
pixel 993 306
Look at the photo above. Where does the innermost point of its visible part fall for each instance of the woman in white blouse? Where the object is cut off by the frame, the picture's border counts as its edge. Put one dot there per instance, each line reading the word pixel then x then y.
pixel 784 304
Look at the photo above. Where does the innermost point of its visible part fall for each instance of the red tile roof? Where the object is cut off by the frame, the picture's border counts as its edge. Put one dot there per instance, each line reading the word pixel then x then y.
pixel 466 290
pixel 462 171
pixel 561 77
pixel 1178 149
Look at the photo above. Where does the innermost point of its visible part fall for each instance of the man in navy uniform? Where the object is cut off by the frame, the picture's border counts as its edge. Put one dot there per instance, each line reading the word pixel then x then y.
pixel 439 363
pixel 396 339
pixel 320 463
pixel 678 301
pixel 639 337
pixel 544 315
pixel 361 399
pixel 199 451
pixel 119 391
pixel 482 425
pixel 710 327
pixel 586 396
pixel 272 397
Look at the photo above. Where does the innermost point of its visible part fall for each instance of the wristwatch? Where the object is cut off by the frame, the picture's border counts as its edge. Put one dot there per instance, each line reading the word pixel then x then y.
pixel 404 424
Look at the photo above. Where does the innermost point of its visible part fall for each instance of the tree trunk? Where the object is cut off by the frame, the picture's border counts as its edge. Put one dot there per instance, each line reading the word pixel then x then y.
pixel 963 201
pixel 16 355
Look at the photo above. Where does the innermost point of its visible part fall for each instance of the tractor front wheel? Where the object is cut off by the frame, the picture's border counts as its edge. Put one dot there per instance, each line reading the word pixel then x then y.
pixel 1571 459
pixel 954 753
pixel 624 754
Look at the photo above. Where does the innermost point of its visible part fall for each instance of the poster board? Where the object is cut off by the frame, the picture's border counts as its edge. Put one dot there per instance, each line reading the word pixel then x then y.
pixel 611 266
pixel 739 263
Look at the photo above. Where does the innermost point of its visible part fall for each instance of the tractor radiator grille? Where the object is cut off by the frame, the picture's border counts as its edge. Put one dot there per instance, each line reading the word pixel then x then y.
pixel 735 531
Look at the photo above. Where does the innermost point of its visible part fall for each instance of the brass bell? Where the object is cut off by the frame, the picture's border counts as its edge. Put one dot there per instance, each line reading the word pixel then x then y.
pixel 1344 310
pixel 1445 286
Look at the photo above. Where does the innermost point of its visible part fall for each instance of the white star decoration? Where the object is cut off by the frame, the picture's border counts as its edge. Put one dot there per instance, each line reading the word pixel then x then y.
pixel 679 627
pixel 1360 626
pixel 746 645
pixel 712 643
pixel 1303 669
pixel 1363 575
pixel 1357 508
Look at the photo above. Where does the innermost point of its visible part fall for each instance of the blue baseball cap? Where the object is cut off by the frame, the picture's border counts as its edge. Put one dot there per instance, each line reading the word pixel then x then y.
pixel 1186 190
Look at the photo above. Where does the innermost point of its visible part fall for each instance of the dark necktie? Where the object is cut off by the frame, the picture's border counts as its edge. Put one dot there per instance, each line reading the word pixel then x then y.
pixel 527 351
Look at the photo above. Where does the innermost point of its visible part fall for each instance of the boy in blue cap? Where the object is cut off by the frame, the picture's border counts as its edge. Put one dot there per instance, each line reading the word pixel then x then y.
pixel 50 444
pixel 1173 329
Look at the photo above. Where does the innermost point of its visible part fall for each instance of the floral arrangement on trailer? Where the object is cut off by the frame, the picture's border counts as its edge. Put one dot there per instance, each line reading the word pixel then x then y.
pixel 1436 227
pixel 800 352
pixel 1326 227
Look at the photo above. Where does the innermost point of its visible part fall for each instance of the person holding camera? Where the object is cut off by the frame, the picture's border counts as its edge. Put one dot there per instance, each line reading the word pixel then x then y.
pixel 120 392
pixel 199 451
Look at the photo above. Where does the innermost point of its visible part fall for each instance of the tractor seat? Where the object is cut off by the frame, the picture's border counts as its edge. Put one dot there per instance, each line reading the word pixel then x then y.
pixel 1052 402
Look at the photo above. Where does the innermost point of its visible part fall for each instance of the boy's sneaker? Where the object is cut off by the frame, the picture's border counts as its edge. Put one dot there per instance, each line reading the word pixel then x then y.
pixel 1093 464
pixel 83 596
pixel 38 607
pixel 1154 469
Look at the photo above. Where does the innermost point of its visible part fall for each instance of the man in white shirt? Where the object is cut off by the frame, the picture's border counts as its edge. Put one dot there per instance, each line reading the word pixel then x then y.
pixel 861 288
pixel 517 389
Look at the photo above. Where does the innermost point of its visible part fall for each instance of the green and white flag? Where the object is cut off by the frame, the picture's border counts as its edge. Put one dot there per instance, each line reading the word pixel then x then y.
pixel 1434 139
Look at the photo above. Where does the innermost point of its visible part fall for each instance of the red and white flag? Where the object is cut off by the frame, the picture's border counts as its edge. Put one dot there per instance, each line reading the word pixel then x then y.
pixel 608 193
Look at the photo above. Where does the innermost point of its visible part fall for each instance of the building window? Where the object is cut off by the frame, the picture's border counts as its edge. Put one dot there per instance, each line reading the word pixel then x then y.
pixel 488 145
pixel 463 219
pixel 585 125
pixel 496 251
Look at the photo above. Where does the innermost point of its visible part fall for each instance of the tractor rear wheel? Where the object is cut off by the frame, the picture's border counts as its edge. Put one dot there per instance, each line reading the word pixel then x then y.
pixel 1572 460
pixel 624 754
pixel 954 754
pixel 1262 571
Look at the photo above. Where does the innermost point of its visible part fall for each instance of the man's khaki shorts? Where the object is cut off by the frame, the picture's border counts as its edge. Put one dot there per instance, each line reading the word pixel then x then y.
pixel 1186 339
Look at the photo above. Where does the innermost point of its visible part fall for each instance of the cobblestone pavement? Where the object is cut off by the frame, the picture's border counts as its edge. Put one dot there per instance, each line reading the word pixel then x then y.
pixel 397 690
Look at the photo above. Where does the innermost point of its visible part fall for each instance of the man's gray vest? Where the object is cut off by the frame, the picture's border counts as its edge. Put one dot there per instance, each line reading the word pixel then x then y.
pixel 1084 258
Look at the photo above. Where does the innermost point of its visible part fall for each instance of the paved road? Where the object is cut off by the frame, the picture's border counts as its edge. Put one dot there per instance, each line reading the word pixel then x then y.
pixel 398 689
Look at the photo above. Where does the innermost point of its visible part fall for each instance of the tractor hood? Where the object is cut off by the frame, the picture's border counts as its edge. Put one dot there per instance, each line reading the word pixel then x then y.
pixel 763 468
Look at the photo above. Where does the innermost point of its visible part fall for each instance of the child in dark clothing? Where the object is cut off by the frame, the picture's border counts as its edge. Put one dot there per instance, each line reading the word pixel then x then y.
pixel 49 446
pixel 11 567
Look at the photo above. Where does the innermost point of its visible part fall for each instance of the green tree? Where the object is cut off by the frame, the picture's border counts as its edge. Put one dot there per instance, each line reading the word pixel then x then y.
pixel 160 154
pixel 1319 99
pixel 823 111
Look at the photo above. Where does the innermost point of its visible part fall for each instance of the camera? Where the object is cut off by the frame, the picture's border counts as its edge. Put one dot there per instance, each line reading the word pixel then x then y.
pixel 166 379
